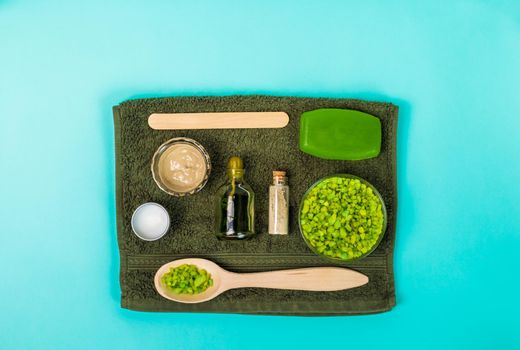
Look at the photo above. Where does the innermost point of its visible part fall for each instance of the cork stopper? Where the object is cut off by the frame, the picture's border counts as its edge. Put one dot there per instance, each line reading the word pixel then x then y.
pixel 278 173
pixel 279 177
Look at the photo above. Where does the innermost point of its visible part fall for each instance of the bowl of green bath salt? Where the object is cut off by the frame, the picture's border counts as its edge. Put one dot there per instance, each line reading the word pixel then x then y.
pixel 342 217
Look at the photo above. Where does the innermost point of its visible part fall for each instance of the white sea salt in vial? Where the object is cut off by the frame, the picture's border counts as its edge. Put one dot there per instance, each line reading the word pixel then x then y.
pixel 279 204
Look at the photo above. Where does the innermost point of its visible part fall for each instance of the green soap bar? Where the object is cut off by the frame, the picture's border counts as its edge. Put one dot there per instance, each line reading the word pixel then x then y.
pixel 340 134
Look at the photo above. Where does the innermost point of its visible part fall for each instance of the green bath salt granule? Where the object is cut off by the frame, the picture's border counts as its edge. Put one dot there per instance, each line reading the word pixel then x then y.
pixel 187 279
pixel 342 218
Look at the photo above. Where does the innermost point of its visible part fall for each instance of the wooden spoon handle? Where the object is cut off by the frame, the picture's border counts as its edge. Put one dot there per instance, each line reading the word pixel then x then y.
pixel 220 120
pixel 312 279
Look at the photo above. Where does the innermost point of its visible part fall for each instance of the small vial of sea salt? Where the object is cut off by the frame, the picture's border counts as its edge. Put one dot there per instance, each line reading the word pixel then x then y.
pixel 279 204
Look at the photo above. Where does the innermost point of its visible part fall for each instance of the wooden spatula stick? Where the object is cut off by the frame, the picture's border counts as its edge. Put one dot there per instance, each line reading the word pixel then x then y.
pixel 219 120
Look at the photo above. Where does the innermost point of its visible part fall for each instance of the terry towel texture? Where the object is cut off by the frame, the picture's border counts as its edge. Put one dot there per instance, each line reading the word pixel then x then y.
pixel 263 150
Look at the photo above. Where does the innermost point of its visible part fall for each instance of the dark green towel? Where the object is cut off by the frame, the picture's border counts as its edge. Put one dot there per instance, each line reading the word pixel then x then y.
pixel 263 150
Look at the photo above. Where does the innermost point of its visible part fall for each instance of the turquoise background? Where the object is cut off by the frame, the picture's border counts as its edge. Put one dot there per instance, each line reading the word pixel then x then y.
pixel 453 67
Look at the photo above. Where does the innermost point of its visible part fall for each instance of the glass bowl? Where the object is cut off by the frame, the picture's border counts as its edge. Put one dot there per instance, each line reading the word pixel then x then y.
pixel 170 173
pixel 374 190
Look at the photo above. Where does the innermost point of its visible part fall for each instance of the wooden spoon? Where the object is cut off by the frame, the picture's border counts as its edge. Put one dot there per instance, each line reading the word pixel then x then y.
pixel 310 279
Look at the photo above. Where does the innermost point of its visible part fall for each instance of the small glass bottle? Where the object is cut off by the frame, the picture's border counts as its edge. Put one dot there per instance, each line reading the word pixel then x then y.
pixel 279 204
pixel 235 199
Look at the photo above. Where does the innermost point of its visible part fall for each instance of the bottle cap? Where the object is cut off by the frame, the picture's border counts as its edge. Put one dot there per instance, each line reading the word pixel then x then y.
pixel 235 167
pixel 278 173
pixel 235 163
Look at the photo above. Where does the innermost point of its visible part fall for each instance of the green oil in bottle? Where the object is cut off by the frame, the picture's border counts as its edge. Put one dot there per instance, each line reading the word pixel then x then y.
pixel 235 199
